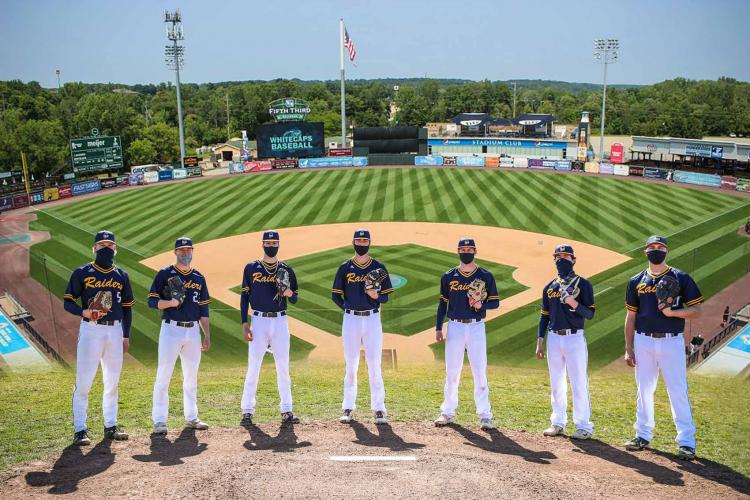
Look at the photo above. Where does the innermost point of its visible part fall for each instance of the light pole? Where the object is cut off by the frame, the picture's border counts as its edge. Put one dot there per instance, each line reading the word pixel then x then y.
pixel 175 57
pixel 57 72
pixel 605 52
pixel 514 99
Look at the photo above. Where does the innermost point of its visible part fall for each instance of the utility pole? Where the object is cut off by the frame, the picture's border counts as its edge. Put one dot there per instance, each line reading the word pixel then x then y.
pixel 57 72
pixel 514 99
pixel 229 136
pixel 605 52
pixel 175 58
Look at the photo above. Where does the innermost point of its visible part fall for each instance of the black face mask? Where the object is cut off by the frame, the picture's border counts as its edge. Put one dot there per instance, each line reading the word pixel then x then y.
pixel 271 251
pixel 466 257
pixel 564 267
pixel 361 249
pixel 656 256
pixel 104 257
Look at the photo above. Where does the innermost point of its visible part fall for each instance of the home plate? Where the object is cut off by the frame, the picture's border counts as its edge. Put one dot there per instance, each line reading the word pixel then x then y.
pixel 373 458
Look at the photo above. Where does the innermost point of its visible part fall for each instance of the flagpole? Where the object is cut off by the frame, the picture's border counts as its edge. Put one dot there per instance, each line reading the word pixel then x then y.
pixel 343 94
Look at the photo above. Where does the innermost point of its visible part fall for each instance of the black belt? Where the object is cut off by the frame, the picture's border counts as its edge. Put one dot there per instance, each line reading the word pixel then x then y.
pixel 269 314
pixel 185 324
pixel 361 313
pixel 566 331
pixel 105 323
pixel 659 335
pixel 465 320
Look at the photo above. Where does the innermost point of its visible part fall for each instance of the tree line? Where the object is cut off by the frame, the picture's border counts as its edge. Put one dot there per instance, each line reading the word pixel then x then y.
pixel 41 121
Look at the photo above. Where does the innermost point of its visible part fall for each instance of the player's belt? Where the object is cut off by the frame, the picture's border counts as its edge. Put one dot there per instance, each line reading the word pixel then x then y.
pixel 184 324
pixel 361 313
pixel 269 314
pixel 567 331
pixel 103 323
pixel 477 320
pixel 659 335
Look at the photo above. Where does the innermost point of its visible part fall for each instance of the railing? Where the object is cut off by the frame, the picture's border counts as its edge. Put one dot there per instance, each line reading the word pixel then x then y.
pixel 43 343
pixel 734 325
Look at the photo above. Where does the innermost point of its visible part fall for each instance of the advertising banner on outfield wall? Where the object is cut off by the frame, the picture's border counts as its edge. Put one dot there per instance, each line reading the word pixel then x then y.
pixel 65 191
pixel 150 177
pixel 616 153
pixel 84 187
pixel 449 160
pixel 470 161
pixel 281 164
pixel 136 179
pixel 654 173
pixel 591 167
pixel 728 182
pixel 236 168
pixel 339 151
pixel 333 161
pixel 359 161
pixel 507 162
pixel 492 161
pixel 606 168
pixel 564 165
pixel 697 178
pixel 520 163
pixel 51 194
pixel 6 203
pixel 743 185
pixel 36 197
pixel 434 161
pixel 195 172
pixel 543 164
pixel 635 170
pixel 179 173
pixel 621 170
pixel 165 175
pixel 109 182
pixel 256 166
pixel 291 139
pixel 20 201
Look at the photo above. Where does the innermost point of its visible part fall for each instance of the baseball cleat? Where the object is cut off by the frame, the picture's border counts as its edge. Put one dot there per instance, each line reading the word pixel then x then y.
pixel 443 420
pixel 553 430
pixel 115 433
pixel 636 444
pixel 247 419
pixel 289 418
pixel 581 434
pixel 686 453
pixel 486 424
pixel 347 416
pixel 380 418
pixel 81 438
pixel 160 428
pixel 196 424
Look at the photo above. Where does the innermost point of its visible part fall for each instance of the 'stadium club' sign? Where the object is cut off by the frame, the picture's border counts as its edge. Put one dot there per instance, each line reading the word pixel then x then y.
pixel 290 140
pixel 289 109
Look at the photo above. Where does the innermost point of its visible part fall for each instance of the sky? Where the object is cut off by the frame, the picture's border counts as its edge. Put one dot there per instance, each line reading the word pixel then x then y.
pixel 123 41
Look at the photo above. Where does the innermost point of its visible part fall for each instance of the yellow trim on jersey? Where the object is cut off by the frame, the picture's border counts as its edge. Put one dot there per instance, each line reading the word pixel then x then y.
pixel 544 312
pixel 592 306
pixel 128 304
pixel 493 297
pixel 268 266
pixel 154 295
pixel 694 301
pixel 203 302
pixel 184 273
pixel 340 292
pixel 101 269
pixel 68 296
pixel 469 274
pixel 362 266
pixel 245 289
pixel 387 291
pixel 444 299
pixel 648 271
pixel 631 308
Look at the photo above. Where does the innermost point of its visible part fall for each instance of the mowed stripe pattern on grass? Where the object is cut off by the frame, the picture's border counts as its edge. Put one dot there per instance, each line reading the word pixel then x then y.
pixel 609 212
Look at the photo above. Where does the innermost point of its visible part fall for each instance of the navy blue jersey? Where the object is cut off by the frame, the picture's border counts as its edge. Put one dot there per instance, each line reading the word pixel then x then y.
pixel 641 298
pixel 90 278
pixel 453 292
pixel 349 284
pixel 195 305
pixel 259 286
pixel 561 316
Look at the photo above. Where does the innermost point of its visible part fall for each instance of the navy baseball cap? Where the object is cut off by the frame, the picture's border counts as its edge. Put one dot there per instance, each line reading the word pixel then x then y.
pixel 270 235
pixel 564 249
pixel 361 233
pixel 104 236
pixel 467 242
pixel 657 239
pixel 183 242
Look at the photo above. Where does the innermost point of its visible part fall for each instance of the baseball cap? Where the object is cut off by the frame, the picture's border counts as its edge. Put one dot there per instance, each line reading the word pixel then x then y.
pixel 564 249
pixel 361 233
pixel 104 236
pixel 467 242
pixel 270 235
pixel 183 242
pixel 657 239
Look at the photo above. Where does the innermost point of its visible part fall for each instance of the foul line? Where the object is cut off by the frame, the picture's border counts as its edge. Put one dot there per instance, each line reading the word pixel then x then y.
pixel 373 458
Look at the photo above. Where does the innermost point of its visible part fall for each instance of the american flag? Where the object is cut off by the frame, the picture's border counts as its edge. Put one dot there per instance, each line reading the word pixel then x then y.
pixel 349 45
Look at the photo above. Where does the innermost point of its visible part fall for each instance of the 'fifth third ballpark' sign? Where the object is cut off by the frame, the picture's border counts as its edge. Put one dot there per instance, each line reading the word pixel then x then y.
pixel 92 154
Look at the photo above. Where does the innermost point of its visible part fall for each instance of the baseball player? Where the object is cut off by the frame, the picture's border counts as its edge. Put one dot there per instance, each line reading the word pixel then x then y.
pixel 106 301
pixel 658 301
pixel 567 301
pixel 267 285
pixel 466 292
pixel 360 287
pixel 181 293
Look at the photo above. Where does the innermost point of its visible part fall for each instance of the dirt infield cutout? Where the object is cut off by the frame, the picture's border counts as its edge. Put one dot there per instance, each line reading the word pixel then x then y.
pixel 223 259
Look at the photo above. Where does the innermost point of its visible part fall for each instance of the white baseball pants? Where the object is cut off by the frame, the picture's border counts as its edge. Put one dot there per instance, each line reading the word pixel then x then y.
pixel 667 355
pixel 272 332
pixel 569 353
pixel 97 344
pixel 184 342
pixel 364 331
pixel 471 338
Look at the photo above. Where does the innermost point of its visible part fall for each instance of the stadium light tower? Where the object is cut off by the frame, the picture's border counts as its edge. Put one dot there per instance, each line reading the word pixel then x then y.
pixel 606 51
pixel 175 58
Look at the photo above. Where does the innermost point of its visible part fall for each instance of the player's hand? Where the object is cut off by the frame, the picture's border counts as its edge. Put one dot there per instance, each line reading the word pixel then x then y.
pixel 373 294
pixel 86 313
pixel 125 344
pixel 539 352
pixel 175 303
pixel 439 337
pixel 630 358
pixel 247 332
pixel 206 345
pixel 668 312
pixel 288 292
pixel 477 305
pixel 571 302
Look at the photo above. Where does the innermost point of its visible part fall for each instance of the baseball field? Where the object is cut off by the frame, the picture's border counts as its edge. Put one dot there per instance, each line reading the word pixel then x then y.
pixel 414 215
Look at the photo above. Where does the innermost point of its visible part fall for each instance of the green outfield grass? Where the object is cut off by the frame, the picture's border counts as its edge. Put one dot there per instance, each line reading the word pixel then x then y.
pixel 410 309
pixel 610 212
pixel 36 418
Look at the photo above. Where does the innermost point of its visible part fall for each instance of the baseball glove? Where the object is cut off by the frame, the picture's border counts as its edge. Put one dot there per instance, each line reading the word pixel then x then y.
pixel 569 287
pixel 175 289
pixel 667 292
pixel 477 291
pixel 100 304
pixel 283 282
pixel 375 278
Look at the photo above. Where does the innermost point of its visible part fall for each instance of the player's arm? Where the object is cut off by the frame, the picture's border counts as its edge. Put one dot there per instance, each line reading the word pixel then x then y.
pixel 245 304
pixel 337 291
pixel 442 309
pixel 293 292
pixel 585 307
pixel 386 289
pixel 691 301
pixel 206 345
pixel 154 297
pixel 630 337
pixel 493 298
pixel 72 293
pixel 543 325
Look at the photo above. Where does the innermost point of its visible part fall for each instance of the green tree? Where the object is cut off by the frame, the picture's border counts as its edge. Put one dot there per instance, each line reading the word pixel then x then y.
pixel 141 152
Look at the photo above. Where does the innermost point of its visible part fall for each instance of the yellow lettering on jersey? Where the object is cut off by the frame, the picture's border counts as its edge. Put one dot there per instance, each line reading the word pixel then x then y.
pixel 645 288
pixel 353 278
pixel 259 278
pixel 92 282
pixel 191 285
pixel 456 286
pixel 552 294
